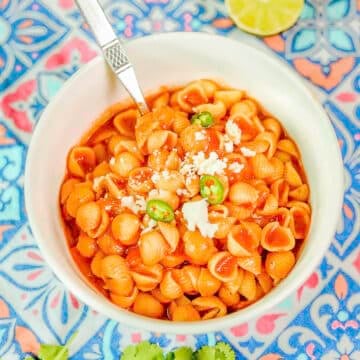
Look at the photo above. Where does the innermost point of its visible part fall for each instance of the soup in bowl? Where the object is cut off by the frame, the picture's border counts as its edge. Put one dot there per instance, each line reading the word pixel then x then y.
pixel 210 208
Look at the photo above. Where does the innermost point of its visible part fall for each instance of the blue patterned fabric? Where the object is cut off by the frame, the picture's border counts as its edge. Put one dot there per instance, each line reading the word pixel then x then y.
pixel 42 43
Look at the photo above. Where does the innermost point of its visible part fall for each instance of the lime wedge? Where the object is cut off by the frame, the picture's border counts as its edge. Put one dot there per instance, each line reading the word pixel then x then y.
pixel 264 17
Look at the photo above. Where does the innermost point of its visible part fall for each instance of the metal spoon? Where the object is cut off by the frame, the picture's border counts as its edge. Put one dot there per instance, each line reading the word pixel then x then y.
pixel 113 50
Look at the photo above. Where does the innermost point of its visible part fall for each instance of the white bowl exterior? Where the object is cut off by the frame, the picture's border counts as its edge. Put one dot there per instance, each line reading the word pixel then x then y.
pixel 174 59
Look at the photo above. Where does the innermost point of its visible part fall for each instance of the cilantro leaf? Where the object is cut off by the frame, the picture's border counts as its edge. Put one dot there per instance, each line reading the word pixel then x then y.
pixel 224 351
pixel 205 353
pixel 56 352
pixel 52 352
pixel 143 351
pixel 182 353
pixel 221 351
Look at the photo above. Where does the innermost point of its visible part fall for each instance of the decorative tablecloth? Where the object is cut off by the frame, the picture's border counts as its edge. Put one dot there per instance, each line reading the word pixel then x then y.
pixel 42 43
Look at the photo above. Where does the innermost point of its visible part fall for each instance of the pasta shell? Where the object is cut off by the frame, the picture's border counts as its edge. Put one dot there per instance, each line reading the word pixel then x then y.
pixel 86 246
pixel 147 278
pixel 168 196
pixel 217 109
pixel 265 282
pixel 109 246
pixel 156 293
pixel 187 278
pixel 207 284
pixel 190 141
pixel 227 297
pixel 242 193
pixel 192 95
pixel 81 160
pixel 146 305
pixel 223 266
pixel 124 163
pixel 125 228
pixel 251 263
pixel 169 287
pixel 144 127
pixel 96 263
pixel 280 189
pixel 209 307
pixel 181 122
pixel 198 248
pixel 139 180
pixel 248 286
pixel 271 140
pixel 81 194
pixel 170 180
pixel 246 108
pixel 170 234
pixel 224 225
pixel 299 222
pixel 228 97
pixel 244 239
pixel 161 139
pixel 291 175
pixel 102 227
pixel 288 146
pixel 270 206
pixel 161 101
pixel 152 247
pixel 185 313
pixel 279 264
pixel 101 170
pixel 273 125
pixel 234 285
pixel 275 237
pixel 124 302
pixel 125 122
pixel 301 193
pixel 100 153
pixel 67 188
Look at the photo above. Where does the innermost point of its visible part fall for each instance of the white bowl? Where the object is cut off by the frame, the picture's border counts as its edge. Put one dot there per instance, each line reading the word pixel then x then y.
pixel 172 59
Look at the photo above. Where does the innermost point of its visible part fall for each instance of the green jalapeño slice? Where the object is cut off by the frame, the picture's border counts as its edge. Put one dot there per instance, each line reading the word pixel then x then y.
pixel 159 210
pixel 204 118
pixel 212 189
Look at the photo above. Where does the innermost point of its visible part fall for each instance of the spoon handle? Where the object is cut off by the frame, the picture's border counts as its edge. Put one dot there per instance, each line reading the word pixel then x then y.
pixel 113 50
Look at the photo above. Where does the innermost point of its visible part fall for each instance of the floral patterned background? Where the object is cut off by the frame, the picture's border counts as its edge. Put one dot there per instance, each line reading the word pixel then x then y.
pixel 42 43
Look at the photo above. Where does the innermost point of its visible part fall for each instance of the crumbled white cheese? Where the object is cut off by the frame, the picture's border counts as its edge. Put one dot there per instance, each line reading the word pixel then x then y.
pixel 112 161
pixel 233 132
pixel 97 181
pixel 155 177
pixel 211 165
pixel 200 135
pixel 196 215
pixel 182 192
pixel 236 167
pixel 135 204
pixel 247 152
pixel 228 144
pixel 150 226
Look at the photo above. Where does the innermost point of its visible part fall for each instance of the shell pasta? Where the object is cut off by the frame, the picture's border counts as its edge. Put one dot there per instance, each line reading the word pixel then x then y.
pixel 192 211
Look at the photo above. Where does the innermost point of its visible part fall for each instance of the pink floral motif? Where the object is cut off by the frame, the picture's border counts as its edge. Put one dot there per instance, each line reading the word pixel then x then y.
pixel 135 338
pixel 346 97
pixel 356 262
pixel 8 104
pixel 240 330
pixel 341 287
pixel 66 4
pixel 64 55
pixel 310 283
pixel 266 324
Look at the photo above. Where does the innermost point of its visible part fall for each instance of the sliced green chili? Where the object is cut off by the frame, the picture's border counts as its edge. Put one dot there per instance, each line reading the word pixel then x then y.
pixel 212 189
pixel 204 118
pixel 160 210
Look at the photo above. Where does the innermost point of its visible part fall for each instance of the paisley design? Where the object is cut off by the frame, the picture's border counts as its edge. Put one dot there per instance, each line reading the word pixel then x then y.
pixel 41 46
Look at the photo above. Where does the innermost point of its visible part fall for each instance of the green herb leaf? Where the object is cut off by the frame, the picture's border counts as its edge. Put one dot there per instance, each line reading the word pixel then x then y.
pixel 224 351
pixel 205 353
pixel 182 353
pixel 143 351
pixel 56 352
